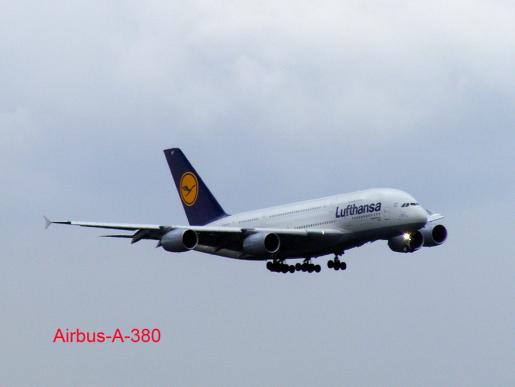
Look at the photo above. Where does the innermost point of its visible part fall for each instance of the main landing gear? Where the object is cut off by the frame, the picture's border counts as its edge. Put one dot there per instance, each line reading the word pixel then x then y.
pixel 281 267
pixel 278 266
pixel 336 264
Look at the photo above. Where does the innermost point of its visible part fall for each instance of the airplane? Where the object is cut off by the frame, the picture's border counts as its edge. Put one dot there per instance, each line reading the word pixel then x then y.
pixel 302 230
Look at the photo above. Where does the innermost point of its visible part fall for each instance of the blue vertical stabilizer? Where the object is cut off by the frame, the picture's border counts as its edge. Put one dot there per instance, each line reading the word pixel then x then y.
pixel 200 205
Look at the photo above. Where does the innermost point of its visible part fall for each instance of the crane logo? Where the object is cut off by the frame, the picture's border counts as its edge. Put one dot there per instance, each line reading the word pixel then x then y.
pixel 188 188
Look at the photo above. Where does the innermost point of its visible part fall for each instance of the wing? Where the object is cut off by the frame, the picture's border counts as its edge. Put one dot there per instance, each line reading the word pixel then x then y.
pixel 141 231
pixel 434 217
pixel 227 241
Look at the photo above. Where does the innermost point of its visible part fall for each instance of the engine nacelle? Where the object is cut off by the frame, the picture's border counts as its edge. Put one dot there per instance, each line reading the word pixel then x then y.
pixel 261 244
pixel 406 243
pixel 434 235
pixel 179 240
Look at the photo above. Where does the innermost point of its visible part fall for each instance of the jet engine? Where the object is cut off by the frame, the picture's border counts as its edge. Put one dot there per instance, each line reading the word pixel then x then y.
pixel 434 235
pixel 179 240
pixel 261 244
pixel 406 243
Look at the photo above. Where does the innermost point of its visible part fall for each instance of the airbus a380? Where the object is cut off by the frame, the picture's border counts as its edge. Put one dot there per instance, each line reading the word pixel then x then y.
pixel 302 230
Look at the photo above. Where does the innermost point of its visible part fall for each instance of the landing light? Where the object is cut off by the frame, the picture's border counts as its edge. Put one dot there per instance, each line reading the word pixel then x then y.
pixel 406 236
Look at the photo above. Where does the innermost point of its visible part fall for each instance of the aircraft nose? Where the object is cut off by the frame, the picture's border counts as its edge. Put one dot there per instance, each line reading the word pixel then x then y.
pixel 420 214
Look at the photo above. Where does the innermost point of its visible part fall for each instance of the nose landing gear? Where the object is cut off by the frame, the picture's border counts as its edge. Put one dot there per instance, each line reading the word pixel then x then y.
pixel 336 264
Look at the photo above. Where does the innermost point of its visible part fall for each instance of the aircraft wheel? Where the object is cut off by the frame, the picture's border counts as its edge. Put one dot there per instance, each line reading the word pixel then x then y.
pixel 298 266
pixel 318 268
pixel 284 268
pixel 343 266
pixel 269 266
pixel 311 268
pixel 292 269
pixel 304 267
pixel 330 264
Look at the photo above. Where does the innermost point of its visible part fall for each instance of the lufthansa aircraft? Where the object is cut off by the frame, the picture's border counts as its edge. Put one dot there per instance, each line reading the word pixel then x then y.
pixel 302 230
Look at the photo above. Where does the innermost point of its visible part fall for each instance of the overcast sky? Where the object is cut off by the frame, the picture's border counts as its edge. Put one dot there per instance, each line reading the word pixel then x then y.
pixel 272 101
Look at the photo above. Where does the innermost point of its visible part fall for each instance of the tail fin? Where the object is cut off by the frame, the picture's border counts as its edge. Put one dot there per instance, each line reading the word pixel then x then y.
pixel 199 203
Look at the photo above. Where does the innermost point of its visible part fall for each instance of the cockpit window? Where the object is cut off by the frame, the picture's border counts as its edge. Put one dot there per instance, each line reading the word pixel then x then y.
pixel 409 204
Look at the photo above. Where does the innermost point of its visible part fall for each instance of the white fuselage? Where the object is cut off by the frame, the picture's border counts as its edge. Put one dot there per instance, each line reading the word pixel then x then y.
pixel 374 214
pixel 330 212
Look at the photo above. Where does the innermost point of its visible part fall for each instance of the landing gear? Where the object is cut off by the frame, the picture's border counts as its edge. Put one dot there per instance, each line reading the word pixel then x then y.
pixel 309 267
pixel 278 266
pixel 336 264
pixel 281 267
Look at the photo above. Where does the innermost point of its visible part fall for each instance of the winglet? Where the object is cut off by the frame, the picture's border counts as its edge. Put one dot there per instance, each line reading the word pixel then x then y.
pixel 48 222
